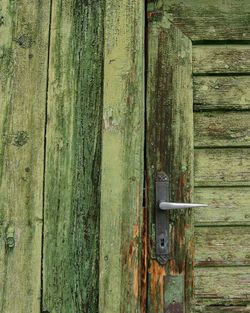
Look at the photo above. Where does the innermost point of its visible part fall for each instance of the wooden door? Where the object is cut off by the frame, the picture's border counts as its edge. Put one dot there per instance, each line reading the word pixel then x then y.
pixel 51 77
pixel 198 127
pixel 71 156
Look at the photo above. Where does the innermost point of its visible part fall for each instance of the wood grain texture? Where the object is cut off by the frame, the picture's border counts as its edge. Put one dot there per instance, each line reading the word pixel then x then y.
pixel 209 19
pixel 223 309
pixel 227 206
pixel 169 149
pixel 122 158
pixel 221 59
pixel 222 286
pixel 201 21
pixel 217 129
pixel 73 157
pixel 23 68
pixel 216 246
pixel 225 92
pixel 222 167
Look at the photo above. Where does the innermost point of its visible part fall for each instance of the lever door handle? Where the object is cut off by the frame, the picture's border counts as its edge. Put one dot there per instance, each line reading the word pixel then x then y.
pixel 173 206
pixel 162 209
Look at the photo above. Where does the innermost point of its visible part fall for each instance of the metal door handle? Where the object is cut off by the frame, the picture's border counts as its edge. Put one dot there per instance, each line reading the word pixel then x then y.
pixel 162 209
pixel 173 206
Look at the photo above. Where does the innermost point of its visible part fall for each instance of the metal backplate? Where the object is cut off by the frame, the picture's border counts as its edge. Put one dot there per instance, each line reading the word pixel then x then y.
pixel 161 218
pixel 174 294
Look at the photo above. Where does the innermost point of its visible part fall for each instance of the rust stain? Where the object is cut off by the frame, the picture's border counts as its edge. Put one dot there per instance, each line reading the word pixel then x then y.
pixel 130 255
pixel 144 261
pixel 176 266
pixel 132 261
pixel 157 277
pixel 134 253
pixel 181 188
pixel 153 15
pixel 136 281
pixel 135 231
pixel 133 267
pixel 172 266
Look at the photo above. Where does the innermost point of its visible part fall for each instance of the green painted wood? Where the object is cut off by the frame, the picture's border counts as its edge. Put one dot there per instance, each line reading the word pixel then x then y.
pixel 223 309
pixel 208 19
pixel 23 75
pixel 73 157
pixel 218 129
pixel 221 59
pixel 222 167
pixel 223 283
pixel 174 293
pixel 222 246
pixel 223 92
pixel 169 148
pixel 227 206
pixel 122 158
pixel 222 286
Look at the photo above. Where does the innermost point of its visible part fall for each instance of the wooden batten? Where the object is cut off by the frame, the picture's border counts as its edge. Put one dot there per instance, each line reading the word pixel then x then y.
pixel 23 79
pixel 226 286
pixel 222 246
pixel 222 167
pixel 222 92
pixel 226 206
pixel 221 59
pixel 222 129
pixel 73 158
pixel 121 219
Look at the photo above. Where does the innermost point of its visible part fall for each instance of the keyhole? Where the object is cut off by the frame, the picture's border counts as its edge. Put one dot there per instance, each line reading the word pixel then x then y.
pixel 162 242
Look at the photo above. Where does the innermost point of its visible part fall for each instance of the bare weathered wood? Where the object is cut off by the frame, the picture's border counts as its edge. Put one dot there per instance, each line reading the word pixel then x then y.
pixel 222 167
pixel 215 129
pixel 23 75
pixel 222 285
pixel 208 19
pixel 73 157
pixel 122 157
pixel 221 59
pixel 227 206
pixel 222 246
pixel 223 309
pixel 199 20
pixel 170 149
pixel 227 92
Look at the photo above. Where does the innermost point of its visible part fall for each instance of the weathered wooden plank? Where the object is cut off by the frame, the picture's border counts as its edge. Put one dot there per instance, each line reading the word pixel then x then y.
pixel 227 92
pixel 215 129
pixel 222 309
pixel 216 246
pixel 222 285
pixel 73 157
pixel 227 205
pixel 221 59
pixel 23 76
pixel 122 157
pixel 222 167
pixel 169 149
pixel 208 19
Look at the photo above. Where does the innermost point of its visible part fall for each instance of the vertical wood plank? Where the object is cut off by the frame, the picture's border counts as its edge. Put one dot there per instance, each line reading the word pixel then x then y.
pixel 23 76
pixel 73 157
pixel 122 158
pixel 170 149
